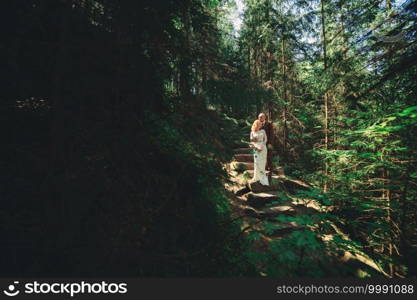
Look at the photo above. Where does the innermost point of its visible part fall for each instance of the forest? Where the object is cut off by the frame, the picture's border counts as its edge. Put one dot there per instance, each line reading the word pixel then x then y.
pixel 122 121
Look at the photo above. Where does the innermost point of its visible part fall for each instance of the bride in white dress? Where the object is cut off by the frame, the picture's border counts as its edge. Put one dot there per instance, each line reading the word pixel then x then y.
pixel 258 143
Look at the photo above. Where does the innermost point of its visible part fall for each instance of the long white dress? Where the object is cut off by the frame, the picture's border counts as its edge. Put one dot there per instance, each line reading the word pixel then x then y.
pixel 259 139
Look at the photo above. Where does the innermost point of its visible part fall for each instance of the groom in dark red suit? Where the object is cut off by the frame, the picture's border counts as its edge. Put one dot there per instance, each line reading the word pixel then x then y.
pixel 267 126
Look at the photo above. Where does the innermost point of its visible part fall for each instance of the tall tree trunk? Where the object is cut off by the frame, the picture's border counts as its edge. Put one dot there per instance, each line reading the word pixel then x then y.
pixel 185 61
pixel 387 198
pixel 284 97
pixel 344 36
pixel 326 109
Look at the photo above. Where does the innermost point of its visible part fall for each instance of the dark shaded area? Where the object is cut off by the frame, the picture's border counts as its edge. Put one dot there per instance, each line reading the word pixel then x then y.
pixel 99 177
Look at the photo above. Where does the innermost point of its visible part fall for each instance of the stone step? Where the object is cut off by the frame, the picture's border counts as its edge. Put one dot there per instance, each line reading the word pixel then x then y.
pixel 295 184
pixel 304 209
pixel 242 144
pixel 242 191
pixel 276 173
pixel 279 171
pixel 247 150
pixel 243 157
pixel 270 212
pixel 286 229
pixel 258 200
pixel 291 207
pixel 275 184
pixel 279 210
pixel 243 151
pixel 243 166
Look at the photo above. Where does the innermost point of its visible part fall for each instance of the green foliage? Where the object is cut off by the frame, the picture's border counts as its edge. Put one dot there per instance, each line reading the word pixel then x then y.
pixel 299 254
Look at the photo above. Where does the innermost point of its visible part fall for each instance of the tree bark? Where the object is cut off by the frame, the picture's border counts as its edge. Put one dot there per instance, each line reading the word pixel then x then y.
pixel 326 133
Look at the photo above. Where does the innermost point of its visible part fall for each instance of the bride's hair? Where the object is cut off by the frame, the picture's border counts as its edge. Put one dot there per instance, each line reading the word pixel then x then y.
pixel 255 124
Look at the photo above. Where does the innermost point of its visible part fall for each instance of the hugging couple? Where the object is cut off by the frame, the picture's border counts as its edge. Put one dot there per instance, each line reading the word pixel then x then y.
pixel 261 141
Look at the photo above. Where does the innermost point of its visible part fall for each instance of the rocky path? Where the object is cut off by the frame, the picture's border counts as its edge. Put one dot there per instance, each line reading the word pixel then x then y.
pixel 253 201
pixel 256 205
